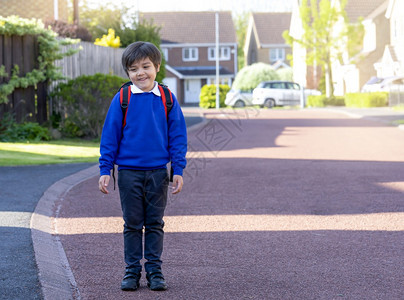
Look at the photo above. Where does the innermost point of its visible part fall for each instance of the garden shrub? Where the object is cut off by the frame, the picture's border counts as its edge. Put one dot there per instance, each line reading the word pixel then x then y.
pixel 250 76
pixel 73 31
pixel 322 101
pixel 83 102
pixel 316 101
pixel 10 131
pixel 207 96
pixel 377 99
pixel 285 74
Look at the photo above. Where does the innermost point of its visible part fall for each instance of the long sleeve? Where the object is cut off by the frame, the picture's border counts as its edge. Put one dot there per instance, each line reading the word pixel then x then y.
pixel 177 138
pixel 111 137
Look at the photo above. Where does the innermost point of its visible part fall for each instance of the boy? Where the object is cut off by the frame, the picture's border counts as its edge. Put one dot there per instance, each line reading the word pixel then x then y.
pixel 141 149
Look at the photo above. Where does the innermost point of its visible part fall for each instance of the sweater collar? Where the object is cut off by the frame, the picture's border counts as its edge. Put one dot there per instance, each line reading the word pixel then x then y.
pixel 155 90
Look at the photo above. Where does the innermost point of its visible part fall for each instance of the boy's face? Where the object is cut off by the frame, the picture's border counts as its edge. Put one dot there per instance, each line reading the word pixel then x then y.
pixel 142 73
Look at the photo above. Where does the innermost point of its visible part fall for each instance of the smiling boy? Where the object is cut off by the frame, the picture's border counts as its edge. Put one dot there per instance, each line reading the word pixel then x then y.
pixel 142 149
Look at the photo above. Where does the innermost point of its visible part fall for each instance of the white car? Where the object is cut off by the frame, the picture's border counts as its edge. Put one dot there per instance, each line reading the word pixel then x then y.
pixel 238 98
pixel 279 93
pixel 378 84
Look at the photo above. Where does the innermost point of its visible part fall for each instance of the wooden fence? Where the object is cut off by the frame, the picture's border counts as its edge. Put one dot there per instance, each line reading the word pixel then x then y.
pixel 91 59
pixel 32 104
pixel 27 104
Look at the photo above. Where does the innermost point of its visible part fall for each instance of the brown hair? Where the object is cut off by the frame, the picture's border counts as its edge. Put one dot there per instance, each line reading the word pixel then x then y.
pixel 138 51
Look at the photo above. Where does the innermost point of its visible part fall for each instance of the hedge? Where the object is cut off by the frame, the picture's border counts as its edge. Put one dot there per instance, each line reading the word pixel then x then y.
pixel 377 99
pixel 207 96
pixel 82 104
pixel 322 101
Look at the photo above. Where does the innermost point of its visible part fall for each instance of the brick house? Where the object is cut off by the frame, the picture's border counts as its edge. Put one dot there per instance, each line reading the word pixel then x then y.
pixel 392 60
pixel 38 9
pixel 264 40
pixel 188 44
pixel 351 73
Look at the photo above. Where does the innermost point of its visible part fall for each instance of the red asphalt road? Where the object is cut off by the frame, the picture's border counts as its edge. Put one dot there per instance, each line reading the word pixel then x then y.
pixel 277 204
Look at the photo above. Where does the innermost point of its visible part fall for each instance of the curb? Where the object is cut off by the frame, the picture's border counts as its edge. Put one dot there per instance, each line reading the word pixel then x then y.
pixel 55 276
pixel 360 116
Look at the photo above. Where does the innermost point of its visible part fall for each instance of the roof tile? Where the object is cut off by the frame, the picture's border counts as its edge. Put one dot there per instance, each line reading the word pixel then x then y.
pixel 270 26
pixel 192 27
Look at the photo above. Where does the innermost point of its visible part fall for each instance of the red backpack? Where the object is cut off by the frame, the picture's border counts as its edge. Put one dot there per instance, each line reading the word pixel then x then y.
pixel 124 99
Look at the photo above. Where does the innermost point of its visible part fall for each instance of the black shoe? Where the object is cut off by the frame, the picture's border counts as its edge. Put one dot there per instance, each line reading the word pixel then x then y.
pixel 130 281
pixel 155 280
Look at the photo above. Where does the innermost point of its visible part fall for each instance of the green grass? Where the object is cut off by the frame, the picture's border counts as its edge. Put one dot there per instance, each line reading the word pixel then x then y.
pixel 55 152
pixel 398 108
pixel 398 122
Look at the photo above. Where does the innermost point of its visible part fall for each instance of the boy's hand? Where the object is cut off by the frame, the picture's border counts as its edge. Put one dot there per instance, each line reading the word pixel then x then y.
pixel 103 183
pixel 177 184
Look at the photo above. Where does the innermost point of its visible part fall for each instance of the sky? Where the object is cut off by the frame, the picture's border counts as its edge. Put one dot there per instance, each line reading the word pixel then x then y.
pixel 236 6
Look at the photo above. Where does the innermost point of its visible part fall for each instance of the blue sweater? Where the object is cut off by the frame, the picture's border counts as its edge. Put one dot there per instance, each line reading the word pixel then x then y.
pixel 148 141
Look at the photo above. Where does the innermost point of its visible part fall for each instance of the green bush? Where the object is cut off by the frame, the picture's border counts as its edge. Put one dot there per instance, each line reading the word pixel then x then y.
pixel 207 96
pixel 83 103
pixel 285 74
pixel 250 76
pixel 322 101
pixel 10 131
pixel 378 99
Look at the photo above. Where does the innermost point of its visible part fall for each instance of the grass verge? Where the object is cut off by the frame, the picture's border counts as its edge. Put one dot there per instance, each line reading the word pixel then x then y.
pixel 55 152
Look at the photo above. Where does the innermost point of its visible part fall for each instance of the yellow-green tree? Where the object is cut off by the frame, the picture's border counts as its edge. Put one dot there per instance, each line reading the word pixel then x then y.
pixel 109 40
pixel 321 40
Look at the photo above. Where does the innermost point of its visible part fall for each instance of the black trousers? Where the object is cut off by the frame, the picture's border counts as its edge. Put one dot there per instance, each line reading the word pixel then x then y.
pixel 143 199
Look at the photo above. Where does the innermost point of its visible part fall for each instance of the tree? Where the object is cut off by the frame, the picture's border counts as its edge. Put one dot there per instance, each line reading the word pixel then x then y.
pixel 98 21
pixel 250 76
pixel 109 40
pixel 321 40
pixel 241 24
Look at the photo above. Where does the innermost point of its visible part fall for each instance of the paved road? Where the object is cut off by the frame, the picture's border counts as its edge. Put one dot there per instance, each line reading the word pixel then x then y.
pixel 21 188
pixel 276 205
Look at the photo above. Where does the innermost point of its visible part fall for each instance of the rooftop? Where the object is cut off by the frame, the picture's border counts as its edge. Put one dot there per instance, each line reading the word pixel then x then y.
pixel 192 27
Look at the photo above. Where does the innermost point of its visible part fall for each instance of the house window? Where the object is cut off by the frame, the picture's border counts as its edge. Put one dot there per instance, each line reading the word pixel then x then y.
pixel 227 81
pixel 190 54
pixel 165 53
pixel 276 54
pixel 224 53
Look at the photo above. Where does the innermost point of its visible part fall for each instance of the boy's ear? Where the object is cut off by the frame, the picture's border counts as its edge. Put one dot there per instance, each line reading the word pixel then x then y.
pixel 158 68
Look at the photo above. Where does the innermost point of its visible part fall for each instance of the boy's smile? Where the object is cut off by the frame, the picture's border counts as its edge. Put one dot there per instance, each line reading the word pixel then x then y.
pixel 142 73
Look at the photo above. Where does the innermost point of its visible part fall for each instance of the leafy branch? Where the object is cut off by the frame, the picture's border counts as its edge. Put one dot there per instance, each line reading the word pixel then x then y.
pixel 49 51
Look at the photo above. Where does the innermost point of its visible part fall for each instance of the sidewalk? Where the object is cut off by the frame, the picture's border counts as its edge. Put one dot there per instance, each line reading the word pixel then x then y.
pixel 385 115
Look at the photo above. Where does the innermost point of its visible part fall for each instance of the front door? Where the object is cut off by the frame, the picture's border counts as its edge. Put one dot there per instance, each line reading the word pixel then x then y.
pixel 192 90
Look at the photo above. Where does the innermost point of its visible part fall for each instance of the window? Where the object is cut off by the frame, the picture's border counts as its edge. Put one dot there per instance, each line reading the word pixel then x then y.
pixel 224 53
pixel 276 54
pixel 190 54
pixel 165 53
pixel 277 85
pixel 293 86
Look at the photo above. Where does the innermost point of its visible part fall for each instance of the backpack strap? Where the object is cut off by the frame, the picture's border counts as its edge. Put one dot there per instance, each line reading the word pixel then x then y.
pixel 166 97
pixel 124 99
